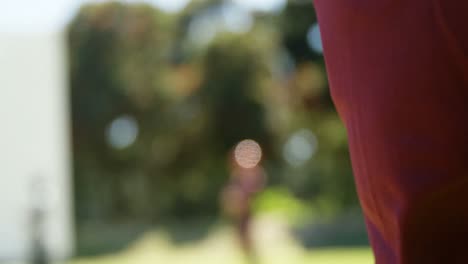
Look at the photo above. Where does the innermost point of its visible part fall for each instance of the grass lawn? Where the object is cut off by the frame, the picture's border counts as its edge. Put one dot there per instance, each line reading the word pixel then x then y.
pixel 273 241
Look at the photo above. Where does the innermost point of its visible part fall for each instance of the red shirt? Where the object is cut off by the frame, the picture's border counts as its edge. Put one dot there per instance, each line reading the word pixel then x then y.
pixel 398 73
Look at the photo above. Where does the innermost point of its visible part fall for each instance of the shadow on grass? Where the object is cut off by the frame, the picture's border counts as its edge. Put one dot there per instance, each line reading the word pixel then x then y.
pixel 109 238
pixel 347 230
pixel 106 238
pixel 190 230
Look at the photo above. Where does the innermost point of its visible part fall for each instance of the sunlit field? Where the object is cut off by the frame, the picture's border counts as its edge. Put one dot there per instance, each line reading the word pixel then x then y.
pixel 273 241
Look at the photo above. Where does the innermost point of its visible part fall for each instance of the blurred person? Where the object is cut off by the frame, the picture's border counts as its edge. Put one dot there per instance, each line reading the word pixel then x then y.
pixel 247 178
pixel 398 73
pixel 38 250
pixel 37 222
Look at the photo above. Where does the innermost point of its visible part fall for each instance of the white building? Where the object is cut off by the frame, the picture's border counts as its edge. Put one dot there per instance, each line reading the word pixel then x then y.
pixel 34 138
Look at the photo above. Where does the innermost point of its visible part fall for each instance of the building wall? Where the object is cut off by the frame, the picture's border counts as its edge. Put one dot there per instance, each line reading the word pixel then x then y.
pixel 34 144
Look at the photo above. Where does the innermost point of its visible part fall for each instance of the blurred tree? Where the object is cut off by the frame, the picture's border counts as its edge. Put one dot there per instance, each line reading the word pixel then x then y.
pixel 117 57
pixel 181 106
pixel 296 21
pixel 120 67
pixel 231 72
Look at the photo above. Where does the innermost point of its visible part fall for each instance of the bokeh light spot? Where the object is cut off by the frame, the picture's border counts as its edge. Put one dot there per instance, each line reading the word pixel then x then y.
pixel 236 19
pixel 300 148
pixel 314 39
pixel 122 132
pixel 248 154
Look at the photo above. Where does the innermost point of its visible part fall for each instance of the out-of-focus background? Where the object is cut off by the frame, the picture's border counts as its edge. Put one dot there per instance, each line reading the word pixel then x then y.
pixel 171 131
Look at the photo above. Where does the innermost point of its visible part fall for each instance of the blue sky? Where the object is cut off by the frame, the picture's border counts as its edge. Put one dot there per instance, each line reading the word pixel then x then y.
pixel 51 15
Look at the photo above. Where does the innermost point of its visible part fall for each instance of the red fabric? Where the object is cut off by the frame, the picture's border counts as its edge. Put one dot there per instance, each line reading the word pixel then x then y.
pixel 398 73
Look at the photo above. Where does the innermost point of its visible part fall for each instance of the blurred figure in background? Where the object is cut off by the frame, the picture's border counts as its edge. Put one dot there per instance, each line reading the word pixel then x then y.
pixel 37 218
pixel 247 179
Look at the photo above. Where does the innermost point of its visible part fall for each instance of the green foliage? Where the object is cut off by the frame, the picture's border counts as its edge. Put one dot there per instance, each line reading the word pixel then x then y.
pixel 231 72
pixel 296 21
pixel 279 200
pixel 192 104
